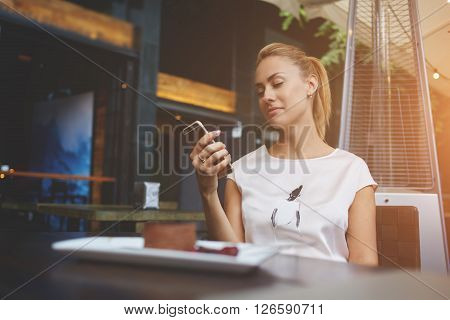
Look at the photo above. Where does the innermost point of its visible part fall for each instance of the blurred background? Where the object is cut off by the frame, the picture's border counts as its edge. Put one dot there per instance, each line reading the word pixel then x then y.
pixel 75 77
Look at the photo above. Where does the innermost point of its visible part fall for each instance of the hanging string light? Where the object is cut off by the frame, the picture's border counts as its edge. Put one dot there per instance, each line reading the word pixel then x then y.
pixel 436 74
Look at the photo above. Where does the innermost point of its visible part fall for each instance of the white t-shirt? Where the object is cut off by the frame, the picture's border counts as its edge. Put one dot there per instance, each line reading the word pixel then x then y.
pixel 300 205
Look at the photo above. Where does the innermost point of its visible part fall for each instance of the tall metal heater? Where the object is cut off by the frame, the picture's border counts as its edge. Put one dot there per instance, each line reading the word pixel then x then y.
pixel 386 116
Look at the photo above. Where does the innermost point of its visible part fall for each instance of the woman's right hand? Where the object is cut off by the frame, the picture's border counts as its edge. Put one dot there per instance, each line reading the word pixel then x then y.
pixel 210 160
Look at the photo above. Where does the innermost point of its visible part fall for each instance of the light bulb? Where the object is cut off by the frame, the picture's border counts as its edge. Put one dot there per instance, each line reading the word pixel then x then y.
pixel 436 75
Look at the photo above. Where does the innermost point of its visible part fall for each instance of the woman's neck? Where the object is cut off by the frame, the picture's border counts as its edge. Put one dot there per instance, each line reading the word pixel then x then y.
pixel 300 142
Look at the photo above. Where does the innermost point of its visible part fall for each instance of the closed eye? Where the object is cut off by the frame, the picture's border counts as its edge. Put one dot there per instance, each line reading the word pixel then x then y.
pixel 260 91
pixel 278 84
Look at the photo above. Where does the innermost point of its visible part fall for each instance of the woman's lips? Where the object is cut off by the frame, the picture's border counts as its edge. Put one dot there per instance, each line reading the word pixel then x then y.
pixel 271 112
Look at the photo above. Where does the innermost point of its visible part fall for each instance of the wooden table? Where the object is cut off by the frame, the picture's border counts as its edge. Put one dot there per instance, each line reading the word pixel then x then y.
pixel 93 212
pixel 96 214
pixel 117 213
pixel 25 255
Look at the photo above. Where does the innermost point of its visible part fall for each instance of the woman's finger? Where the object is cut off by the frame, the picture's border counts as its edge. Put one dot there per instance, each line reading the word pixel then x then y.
pixel 211 149
pixel 216 157
pixel 220 166
pixel 204 141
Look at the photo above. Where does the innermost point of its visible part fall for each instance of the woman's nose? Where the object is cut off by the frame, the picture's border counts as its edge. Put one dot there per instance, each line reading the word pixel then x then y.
pixel 269 95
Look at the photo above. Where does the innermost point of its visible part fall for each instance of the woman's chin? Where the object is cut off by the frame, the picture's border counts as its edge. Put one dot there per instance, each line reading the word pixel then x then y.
pixel 279 120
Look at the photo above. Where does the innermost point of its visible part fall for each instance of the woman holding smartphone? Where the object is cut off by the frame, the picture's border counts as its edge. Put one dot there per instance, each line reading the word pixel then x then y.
pixel 301 194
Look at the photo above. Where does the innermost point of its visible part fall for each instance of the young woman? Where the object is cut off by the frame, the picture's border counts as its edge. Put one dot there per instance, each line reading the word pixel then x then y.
pixel 300 194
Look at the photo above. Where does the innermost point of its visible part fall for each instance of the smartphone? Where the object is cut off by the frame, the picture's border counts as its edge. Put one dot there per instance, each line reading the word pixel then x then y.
pixel 198 126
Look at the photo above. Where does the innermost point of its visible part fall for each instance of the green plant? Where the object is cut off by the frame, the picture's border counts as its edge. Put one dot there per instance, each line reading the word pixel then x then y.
pixel 336 48
pixel 288 18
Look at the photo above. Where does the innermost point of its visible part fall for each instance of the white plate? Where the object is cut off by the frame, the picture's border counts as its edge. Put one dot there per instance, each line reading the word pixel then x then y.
pixel 131 250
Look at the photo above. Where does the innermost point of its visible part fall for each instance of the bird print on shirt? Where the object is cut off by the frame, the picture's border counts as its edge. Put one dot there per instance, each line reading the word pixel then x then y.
pixel 295 193
pixel 290 210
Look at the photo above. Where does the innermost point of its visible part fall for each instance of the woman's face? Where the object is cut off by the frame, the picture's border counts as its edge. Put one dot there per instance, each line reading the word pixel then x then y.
pixel 282 93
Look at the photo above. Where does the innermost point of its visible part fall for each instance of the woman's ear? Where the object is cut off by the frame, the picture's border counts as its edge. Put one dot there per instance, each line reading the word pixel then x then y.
pixel 312 84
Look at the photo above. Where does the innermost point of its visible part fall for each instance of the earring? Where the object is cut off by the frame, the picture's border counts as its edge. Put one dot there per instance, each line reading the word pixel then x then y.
pixel 309 95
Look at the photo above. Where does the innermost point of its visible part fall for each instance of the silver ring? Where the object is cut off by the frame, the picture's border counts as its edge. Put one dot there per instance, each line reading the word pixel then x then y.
pixel 201 159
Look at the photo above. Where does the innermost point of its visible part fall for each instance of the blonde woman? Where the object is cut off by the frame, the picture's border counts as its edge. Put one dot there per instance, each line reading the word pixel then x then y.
pixel 301 194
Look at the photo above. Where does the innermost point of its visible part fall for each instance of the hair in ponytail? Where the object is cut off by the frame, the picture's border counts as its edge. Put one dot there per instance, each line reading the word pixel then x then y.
pixel 322 97
pixel 308 66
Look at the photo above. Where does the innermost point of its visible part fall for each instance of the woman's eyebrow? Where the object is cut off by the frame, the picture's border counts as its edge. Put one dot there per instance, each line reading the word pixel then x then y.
pixel 270 77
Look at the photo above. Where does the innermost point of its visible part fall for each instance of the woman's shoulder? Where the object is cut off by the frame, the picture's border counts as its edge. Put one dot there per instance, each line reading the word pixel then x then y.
pixel 349 159
pixel 358 169
pixel 344 154
pixel 244 165
pixel 251 157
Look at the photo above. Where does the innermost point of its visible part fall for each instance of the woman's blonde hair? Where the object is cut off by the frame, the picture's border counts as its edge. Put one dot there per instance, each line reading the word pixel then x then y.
pixel 308 66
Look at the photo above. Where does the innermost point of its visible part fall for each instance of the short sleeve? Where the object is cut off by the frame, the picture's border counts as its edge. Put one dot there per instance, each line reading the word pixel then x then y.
pixel 364 177
pixel 232 175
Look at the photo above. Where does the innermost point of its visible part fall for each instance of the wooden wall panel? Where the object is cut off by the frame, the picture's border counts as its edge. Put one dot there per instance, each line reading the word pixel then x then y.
pixel 99 147
pixel 195 93
pixel 71 17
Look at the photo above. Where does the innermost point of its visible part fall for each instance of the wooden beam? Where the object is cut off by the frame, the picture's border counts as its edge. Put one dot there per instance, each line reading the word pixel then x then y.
pixel 74 18
pixel 195 93
pixel 117 213
pixel 98 157
pixel 59 176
